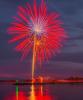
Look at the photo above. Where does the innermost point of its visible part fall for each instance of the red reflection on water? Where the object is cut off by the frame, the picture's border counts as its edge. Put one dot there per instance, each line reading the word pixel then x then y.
pixel 36 93
pixel 20 96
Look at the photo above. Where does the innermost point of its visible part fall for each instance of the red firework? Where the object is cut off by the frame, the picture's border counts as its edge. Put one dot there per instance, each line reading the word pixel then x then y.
pixel 39 23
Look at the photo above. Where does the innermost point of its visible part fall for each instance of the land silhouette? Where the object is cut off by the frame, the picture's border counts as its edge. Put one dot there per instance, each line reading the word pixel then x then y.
pixel 41 80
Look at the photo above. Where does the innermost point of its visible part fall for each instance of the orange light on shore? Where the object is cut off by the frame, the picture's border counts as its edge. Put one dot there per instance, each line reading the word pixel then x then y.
pixel 40 79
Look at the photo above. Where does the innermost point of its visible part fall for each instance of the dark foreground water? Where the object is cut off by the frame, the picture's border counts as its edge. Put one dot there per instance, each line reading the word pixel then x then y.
pixel 40 92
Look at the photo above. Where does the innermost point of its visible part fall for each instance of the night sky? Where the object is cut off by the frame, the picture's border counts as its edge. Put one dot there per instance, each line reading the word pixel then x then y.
pixel 69 62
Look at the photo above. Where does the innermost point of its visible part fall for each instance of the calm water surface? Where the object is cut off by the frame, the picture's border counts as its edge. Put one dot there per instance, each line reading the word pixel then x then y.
pixel 40 92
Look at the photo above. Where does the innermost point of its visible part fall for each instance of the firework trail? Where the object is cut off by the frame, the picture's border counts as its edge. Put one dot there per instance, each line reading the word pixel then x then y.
pixel 37 30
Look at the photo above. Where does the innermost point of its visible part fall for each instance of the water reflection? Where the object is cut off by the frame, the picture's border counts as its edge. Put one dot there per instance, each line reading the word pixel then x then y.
pixel 39 92
pixel 35 93
pixel 38 95
pixel 20 95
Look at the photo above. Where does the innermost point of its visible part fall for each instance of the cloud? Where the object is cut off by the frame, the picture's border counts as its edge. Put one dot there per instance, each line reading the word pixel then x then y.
pixel 63 68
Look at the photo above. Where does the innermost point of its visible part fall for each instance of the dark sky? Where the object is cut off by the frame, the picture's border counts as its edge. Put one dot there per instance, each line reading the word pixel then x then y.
pixel 69 62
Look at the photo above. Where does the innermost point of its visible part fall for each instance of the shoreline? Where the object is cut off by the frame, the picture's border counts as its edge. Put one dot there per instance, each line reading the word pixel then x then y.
pixel 45 82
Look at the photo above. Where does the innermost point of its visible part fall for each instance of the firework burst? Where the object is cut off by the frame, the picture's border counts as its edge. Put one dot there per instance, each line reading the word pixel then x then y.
pixel 38 30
